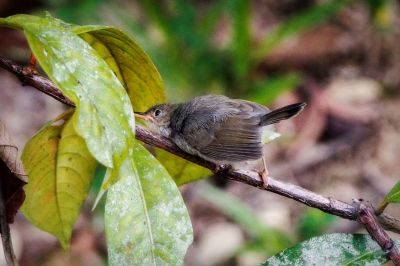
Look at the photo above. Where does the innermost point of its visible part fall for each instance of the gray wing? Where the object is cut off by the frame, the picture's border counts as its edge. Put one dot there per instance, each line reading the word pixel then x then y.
pixel 234 135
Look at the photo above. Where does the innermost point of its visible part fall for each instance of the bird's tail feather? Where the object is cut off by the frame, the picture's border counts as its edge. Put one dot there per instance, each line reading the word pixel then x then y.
pixel 282 113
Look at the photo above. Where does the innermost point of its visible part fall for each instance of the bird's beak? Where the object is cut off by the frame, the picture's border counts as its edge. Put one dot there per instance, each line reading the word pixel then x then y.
pixel 143 116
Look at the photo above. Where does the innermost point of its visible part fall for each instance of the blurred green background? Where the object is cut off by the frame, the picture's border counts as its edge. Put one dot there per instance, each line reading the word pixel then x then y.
pixel 342 57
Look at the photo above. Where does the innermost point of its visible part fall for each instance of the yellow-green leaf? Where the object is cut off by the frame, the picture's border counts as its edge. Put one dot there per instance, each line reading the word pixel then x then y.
pixel 149 226
pixel 60 170
pixel 130 63
pixel 104 118
pixel 181 170
pixel 104 115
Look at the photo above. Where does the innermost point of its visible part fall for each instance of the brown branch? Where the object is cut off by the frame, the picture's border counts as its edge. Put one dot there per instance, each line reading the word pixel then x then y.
pixel 11 260
pixel 329 205
pixel 28 77
pixel 367 218
pixel 309 198
pixel 252 178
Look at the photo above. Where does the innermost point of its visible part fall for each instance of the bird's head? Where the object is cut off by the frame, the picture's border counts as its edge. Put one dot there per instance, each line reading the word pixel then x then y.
pixel 158 118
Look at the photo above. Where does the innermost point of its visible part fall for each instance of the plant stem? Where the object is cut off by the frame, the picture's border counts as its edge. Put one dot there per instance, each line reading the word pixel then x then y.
pixel 5 232
pixel 381 208
pixel 367 218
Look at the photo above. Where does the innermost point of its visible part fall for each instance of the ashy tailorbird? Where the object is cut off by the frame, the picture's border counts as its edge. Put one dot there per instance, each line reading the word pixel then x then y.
pixel 217 128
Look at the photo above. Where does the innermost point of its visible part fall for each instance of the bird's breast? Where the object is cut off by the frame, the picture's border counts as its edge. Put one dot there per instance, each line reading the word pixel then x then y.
pixel 183 145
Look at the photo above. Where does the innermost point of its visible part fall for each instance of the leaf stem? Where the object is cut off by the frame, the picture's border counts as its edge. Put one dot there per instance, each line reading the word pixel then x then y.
pixel 381 207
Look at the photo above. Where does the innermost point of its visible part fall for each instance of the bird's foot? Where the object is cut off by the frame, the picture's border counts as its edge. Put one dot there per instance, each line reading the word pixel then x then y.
pixel 264 177
pixel 223 169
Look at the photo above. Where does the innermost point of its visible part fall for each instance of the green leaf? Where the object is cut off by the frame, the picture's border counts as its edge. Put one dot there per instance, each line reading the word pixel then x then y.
pixel 334 249
pixel 394 195
pixel 104 116
pixel 149 226
pixel 271 240
pixel 181 170
pixel 130 63
pixel 211 16
pixel 60 170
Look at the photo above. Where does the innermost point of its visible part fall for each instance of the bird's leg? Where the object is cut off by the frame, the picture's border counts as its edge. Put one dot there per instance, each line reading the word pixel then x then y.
pixel 264 174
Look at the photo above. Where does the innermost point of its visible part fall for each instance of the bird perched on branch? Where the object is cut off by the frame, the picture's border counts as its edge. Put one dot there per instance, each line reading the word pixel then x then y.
pixel 217 128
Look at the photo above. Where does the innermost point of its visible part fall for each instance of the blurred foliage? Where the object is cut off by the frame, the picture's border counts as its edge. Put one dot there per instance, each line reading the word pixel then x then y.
pixel 262 238
pixel 180 37
pixel 267 90
pixel 228 70
pixel 80 12
pixel 383 13
pixel 313 222
pixel 297 24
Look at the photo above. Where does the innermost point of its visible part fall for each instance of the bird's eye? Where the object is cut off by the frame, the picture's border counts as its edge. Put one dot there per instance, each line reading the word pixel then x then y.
pixel 157 112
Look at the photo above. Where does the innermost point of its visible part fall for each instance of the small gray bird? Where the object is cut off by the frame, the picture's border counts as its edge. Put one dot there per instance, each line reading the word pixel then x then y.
pixel 217 128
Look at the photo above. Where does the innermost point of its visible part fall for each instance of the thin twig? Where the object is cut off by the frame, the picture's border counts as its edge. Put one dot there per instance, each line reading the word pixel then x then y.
pixel 367 218
pixel 309 198
pixel 11 260
pixel 329 205
pixel 30 78
pixel 381 208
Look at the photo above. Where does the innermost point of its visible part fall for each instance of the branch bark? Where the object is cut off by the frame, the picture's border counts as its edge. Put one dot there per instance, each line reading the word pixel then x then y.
pixel 367 218
pixel 309 198
pixel 28 77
